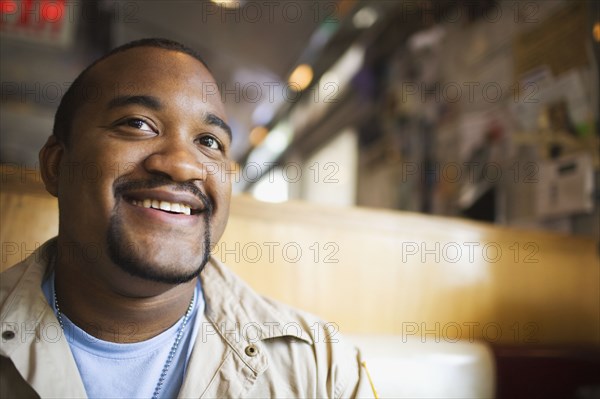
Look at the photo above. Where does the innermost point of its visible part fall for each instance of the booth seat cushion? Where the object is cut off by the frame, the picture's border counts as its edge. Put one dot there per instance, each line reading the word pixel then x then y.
pixel 403 367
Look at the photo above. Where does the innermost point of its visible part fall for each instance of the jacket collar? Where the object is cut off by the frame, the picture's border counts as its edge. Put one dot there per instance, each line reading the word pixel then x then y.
pixel 242 317
pixel 30 329
pixel 236 320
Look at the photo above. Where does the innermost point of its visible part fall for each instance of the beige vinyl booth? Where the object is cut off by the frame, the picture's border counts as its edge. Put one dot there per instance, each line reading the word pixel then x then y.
pixel 425 298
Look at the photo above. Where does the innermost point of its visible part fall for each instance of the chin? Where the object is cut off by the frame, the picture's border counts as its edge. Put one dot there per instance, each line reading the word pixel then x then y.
pixel 157 269
pixel 157 262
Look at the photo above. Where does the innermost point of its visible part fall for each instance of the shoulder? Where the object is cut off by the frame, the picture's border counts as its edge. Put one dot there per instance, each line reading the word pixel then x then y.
pixel 304 353
pixel 10 278
pixel 229 297
pixel 27 274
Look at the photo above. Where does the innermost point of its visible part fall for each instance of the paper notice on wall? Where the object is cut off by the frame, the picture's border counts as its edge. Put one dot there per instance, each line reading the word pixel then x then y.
pixel 565 186
pixel 570 87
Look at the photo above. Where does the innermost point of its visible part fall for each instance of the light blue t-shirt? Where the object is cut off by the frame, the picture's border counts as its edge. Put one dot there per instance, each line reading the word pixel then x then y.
pixel 113 370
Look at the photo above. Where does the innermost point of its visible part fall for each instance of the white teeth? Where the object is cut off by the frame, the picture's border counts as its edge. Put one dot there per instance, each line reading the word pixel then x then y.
pixel 164 206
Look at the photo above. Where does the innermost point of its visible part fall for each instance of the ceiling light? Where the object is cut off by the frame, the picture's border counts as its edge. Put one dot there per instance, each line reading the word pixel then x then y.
pixel 596 31
pixel 228 3
pixel 301 77
pixel 257 135
pixel 365 17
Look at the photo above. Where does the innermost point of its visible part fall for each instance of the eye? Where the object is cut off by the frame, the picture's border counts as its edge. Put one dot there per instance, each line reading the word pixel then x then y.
pixel 210 142
pixel 139 124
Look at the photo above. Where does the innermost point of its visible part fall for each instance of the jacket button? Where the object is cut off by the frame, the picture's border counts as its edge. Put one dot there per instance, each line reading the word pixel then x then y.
pixel 251 350
pixel 8 334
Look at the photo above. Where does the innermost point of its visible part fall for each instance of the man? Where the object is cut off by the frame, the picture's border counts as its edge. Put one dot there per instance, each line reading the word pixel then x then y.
pixel 126 300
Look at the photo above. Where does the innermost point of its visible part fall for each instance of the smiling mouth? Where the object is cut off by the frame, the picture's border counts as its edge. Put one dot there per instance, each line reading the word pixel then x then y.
pixel 166 206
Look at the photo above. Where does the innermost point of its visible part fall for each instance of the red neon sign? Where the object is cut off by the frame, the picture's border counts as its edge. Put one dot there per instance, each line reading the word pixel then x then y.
pixel 32 17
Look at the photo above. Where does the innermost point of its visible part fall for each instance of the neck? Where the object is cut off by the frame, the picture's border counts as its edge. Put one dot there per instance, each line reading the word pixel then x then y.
pixel 110 313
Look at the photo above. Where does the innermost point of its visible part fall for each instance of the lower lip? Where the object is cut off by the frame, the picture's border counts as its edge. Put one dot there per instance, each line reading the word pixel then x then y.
pixel 156 215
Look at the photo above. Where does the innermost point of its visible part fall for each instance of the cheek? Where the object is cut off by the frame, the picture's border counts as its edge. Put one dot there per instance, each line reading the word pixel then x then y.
pixel 85 187
pixel 222 199
pixel 223 195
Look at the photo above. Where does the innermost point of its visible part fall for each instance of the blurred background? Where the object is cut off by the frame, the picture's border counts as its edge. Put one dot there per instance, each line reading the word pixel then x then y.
pixel 386 132
pixel 480 109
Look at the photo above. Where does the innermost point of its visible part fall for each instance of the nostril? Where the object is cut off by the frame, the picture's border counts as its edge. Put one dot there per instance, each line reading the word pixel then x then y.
pixel 178 168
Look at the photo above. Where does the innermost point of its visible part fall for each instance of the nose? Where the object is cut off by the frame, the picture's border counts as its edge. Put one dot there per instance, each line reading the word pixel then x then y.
pixel 176 159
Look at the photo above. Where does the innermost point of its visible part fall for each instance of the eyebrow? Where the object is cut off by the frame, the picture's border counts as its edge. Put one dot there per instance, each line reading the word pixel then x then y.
pixel 147 101
pixel 155 104
pixel 212 119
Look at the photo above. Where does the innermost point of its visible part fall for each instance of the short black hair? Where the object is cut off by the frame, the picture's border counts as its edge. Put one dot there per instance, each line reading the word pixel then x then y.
pixel 75 96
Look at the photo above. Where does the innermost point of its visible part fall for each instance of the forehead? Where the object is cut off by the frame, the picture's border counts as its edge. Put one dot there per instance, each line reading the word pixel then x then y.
pixel 155 71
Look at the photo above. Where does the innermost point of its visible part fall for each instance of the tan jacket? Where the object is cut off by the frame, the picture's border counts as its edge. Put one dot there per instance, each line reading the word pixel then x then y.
pixel 247 346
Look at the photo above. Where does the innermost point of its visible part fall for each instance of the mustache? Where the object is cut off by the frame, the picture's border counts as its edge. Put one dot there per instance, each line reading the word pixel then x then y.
pixel 122 185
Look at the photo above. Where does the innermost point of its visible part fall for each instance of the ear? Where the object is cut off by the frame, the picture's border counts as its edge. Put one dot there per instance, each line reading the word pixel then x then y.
pixel 50 157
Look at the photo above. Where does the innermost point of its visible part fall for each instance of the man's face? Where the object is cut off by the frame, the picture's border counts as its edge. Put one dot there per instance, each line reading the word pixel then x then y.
pixel 143 182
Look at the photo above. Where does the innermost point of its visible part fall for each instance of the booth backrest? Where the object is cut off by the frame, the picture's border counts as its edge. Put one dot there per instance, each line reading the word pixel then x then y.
pixel 375 271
